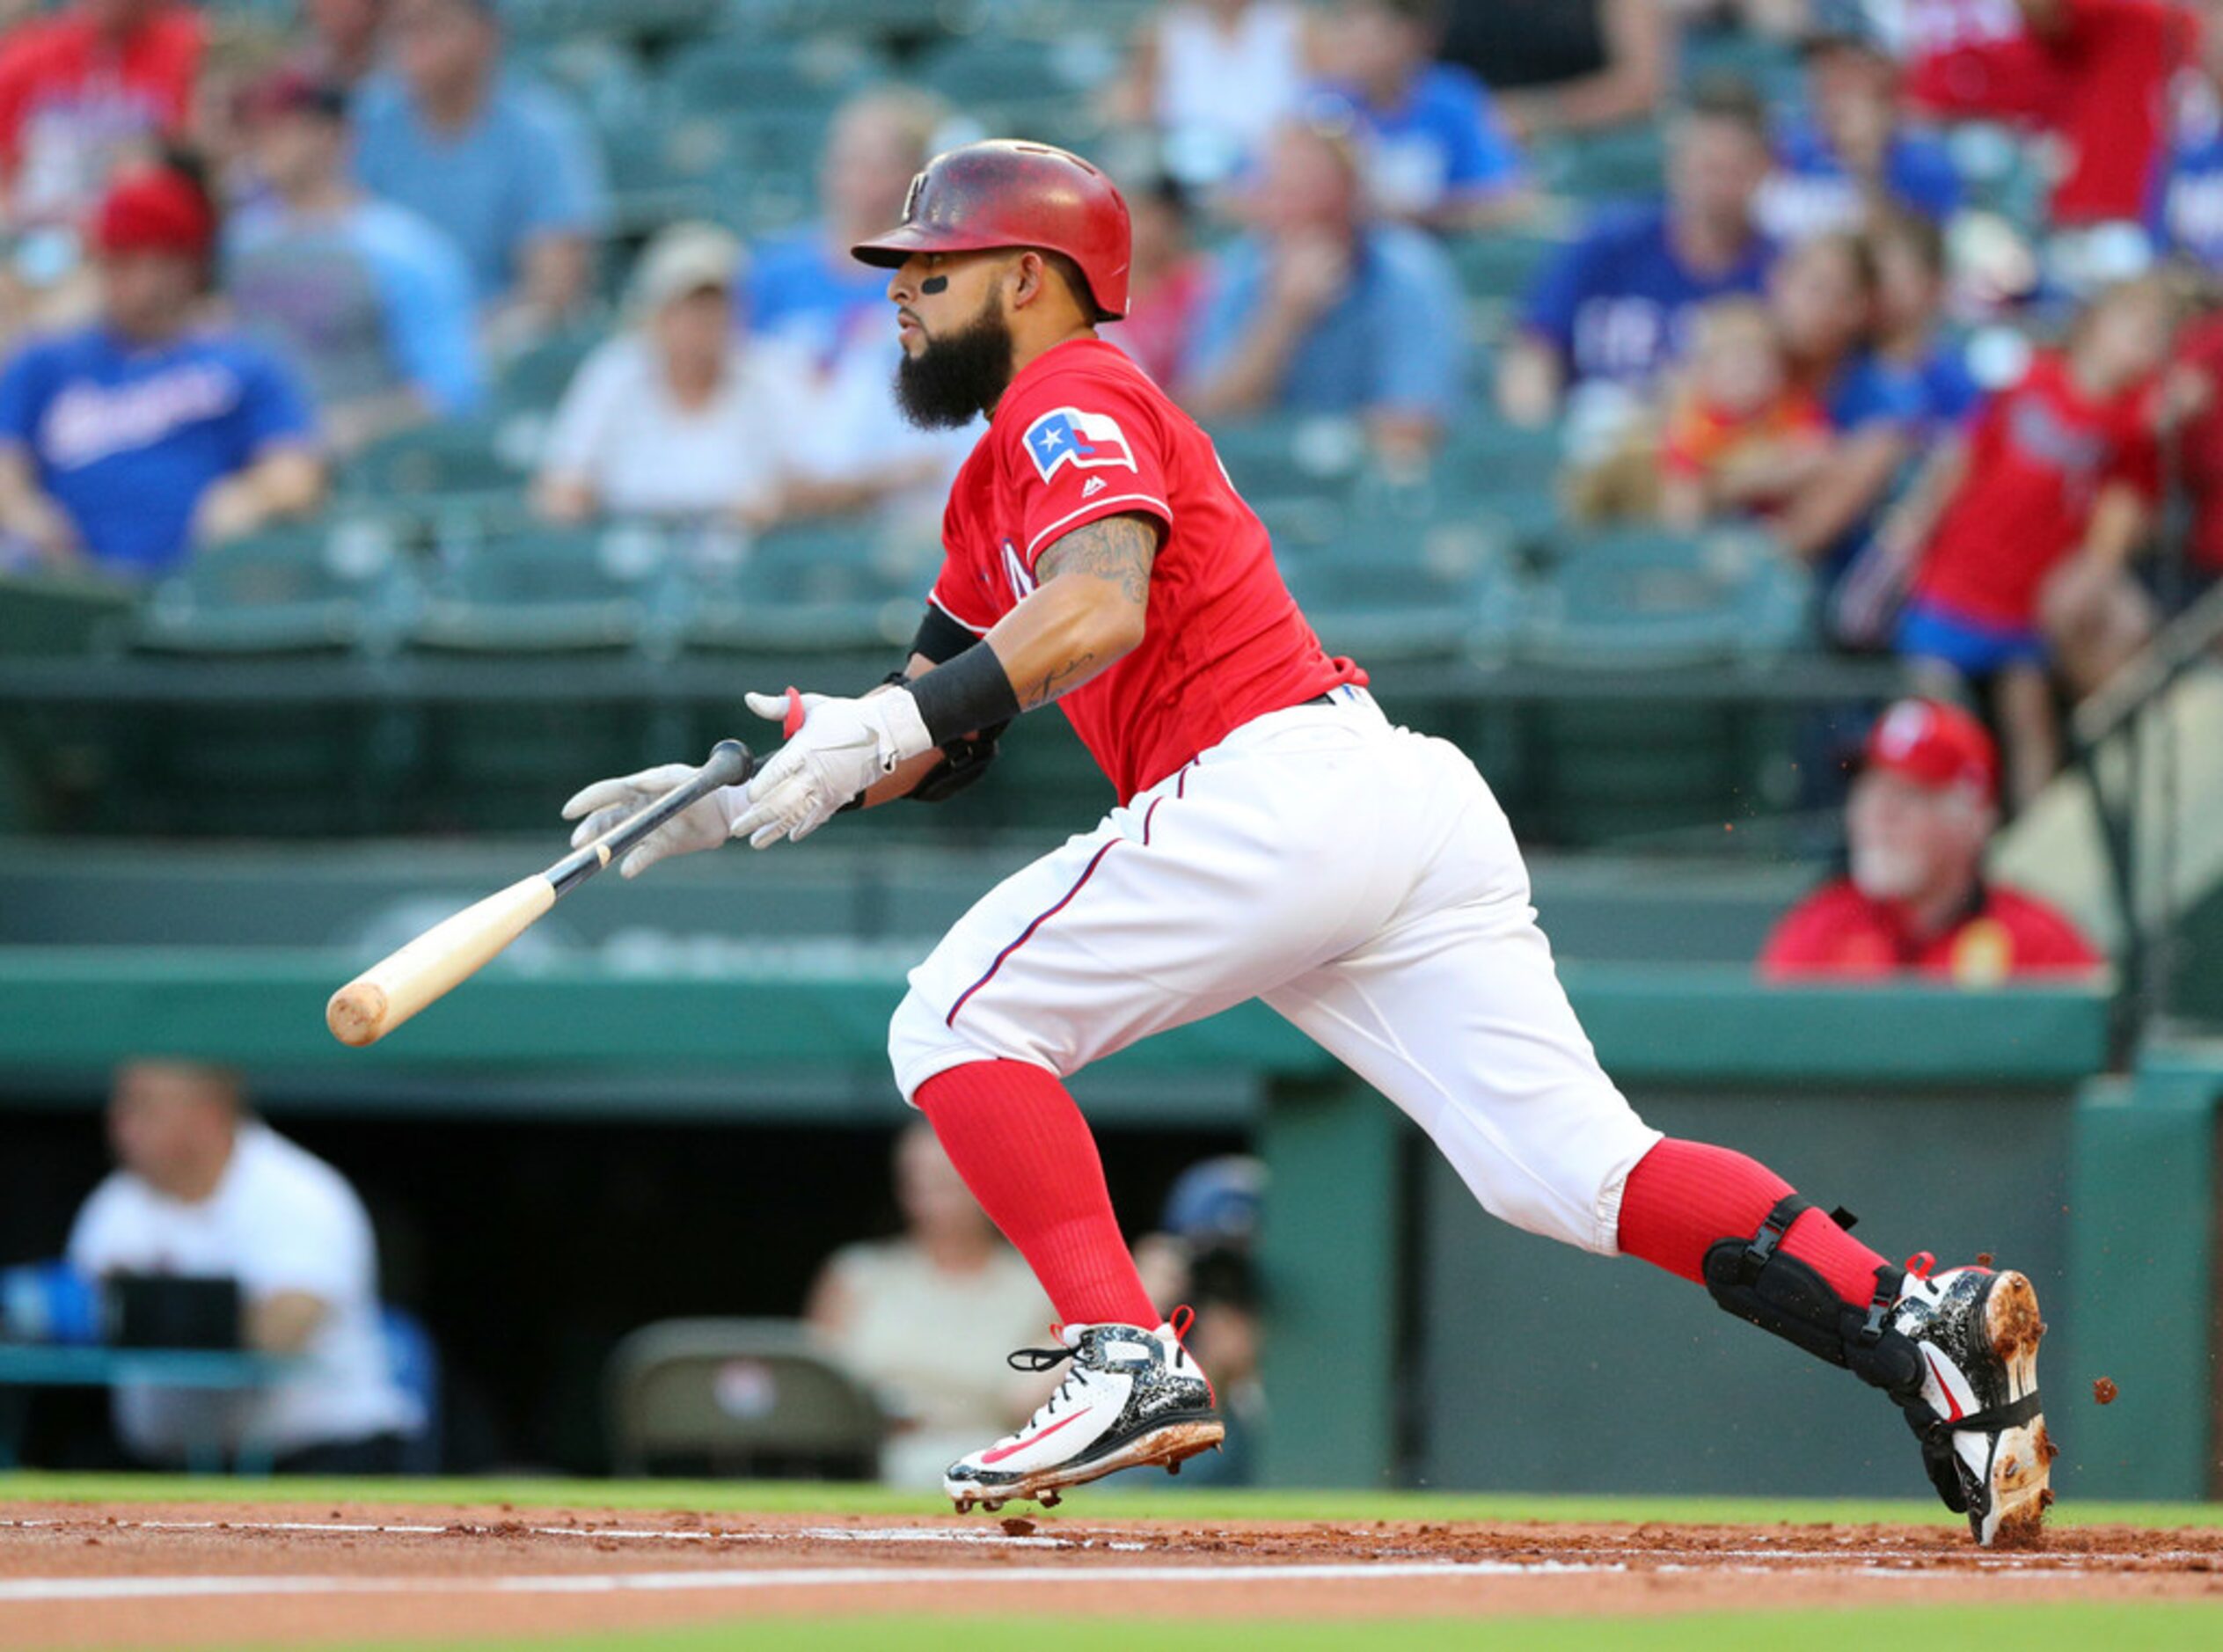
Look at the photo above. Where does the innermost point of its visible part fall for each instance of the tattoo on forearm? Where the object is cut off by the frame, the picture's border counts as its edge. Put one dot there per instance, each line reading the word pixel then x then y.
pixel 1119 549
pixel 1056 682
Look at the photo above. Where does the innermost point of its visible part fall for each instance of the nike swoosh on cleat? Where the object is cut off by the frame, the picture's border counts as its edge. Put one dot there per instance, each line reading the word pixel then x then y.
pixel 1944 1388
pixel 998 1455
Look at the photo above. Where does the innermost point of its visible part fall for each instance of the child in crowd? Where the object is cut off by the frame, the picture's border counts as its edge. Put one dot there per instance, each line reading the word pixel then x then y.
pixel 2018 535
pixel 1735 436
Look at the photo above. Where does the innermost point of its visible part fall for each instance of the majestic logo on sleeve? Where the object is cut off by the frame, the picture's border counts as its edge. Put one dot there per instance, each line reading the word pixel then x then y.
pixel 1085 441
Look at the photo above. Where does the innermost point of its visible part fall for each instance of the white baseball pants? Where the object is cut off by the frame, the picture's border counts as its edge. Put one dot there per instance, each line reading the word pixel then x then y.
pixel 1358 877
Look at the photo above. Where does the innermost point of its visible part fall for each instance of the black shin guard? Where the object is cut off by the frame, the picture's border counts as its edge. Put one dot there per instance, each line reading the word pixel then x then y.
pixel 1755 1281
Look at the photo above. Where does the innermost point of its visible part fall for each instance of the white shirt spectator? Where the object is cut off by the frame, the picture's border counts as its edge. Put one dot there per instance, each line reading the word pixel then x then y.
pixel 620 429
pixel 280 1220
pixel 1221 91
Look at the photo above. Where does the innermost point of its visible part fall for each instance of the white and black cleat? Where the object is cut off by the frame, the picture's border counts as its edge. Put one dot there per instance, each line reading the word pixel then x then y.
pixel 1977 1416
pixel 1132 1398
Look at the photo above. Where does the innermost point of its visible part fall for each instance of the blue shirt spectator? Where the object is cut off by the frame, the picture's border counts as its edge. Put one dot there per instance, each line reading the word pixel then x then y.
pixel 128 439
pixel 1438 150
pixel 1615 303
pixel 1390 341
pixel 1432 146
pixel 2190 207
pixel 371 303
pixel 1813 191
pixel 800 289
pixel 501 166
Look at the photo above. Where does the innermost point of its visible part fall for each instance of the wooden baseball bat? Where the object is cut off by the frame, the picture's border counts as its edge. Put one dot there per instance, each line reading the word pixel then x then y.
pixel 394 989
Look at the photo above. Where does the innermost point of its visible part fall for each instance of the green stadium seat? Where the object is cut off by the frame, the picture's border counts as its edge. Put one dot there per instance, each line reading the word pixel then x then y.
pixel 735 1396
pixel 630 20
pixel 806 587
pixel 1291 456
pixel 1615 163
pixel 735 76
pixel 60 614
pixel 1643 598
pixel 443 458
pixel 1503 264
pixel 1405 584
pixel 315 587
pixel 544 590
pixel 1005 82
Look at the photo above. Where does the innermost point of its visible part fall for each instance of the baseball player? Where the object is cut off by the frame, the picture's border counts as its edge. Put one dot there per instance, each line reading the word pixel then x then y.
pixel 1276 837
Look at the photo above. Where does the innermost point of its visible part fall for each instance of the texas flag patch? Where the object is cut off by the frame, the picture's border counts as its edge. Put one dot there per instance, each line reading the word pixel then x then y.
pixel 1085 441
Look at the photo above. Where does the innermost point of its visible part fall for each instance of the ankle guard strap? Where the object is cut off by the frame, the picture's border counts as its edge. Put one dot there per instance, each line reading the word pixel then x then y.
pixel 1756 1281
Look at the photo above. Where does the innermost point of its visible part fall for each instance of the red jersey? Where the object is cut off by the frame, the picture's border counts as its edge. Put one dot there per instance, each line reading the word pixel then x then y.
pixel 2102 84
pixel 2201 349
pixel 2038 456
pixel 1837 931
pixel 1083 434
pixel 69 99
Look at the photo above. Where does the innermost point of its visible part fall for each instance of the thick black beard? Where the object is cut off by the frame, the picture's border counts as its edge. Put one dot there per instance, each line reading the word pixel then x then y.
pixel 957 376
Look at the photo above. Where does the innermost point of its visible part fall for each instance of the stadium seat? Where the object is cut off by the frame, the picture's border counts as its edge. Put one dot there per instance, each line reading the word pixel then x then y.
pixel 1618 163
pixel 59 614
pixel 1291 456
pixel 1501 264
pixel 737 75
pixel 543 590
pixel 1644 599
pixel 1021 85
pixel 316 587
pixel 808 587
pixel 737 1397
pixel 445 457
pixel 634 20
pixel 1408 584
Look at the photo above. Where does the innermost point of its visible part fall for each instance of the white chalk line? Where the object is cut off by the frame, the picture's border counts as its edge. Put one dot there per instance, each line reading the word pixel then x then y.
pixel 969 1536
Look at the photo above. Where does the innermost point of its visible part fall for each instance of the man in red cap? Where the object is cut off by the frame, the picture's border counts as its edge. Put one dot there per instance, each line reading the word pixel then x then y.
pixel 1275 837
pixel 126 442
pixel 1921 811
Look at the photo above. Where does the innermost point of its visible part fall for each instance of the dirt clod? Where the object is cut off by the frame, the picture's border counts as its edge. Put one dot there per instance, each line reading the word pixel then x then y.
pixel 1983 1258
pixel 1015 1527
pixel 2103 1391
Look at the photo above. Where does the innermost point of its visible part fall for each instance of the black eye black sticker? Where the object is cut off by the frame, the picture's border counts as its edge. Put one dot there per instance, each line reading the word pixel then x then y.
pixel 935 284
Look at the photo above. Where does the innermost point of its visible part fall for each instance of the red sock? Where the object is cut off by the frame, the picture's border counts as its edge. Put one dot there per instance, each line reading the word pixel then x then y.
pixel 1684 1196
pixel 1025 1151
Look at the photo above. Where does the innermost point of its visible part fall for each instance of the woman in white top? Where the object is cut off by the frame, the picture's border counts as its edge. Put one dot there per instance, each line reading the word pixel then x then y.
pixel 925 1319
pixel 1215 77
pixel 676 416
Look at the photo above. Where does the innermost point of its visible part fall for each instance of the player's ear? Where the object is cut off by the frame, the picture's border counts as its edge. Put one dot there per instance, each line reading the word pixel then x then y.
pixel 1026 278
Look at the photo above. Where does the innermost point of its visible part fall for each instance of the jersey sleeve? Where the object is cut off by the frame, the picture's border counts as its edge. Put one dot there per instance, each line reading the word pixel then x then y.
pixel 1083 448
pixel 954 594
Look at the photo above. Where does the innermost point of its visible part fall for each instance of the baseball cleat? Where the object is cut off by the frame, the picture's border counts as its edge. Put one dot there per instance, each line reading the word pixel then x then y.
pixel 1133 1397
pixel 1977 1416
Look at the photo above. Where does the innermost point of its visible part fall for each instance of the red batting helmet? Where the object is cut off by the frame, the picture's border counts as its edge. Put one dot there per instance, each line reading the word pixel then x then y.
pixel 1005 192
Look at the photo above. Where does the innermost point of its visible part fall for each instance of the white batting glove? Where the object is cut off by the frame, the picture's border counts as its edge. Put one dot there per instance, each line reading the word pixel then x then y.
pixel 841 747
pixel 703 825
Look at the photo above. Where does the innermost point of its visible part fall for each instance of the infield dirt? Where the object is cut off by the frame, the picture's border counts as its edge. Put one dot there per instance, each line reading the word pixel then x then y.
pixel 179 1574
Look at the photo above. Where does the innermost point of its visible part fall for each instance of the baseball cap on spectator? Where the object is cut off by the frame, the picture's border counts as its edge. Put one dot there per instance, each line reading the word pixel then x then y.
pixel 293 91
pixel 1934 745
pixel 155 209
pixel 1217 1200
pixel 684 259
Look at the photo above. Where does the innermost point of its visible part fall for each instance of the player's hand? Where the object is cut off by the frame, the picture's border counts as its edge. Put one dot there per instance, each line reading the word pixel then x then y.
pixel 840 748
pixel 705 825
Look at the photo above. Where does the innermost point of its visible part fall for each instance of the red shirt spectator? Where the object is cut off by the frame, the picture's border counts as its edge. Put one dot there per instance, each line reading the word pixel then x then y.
pixel 2095 72
pixel 78 90
pixel 2038 456
pixel 1921 814
pixel 2201 460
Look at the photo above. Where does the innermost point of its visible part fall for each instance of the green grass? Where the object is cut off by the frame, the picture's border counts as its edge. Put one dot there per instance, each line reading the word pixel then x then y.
pixel 2144 1626
pixel 1158 1500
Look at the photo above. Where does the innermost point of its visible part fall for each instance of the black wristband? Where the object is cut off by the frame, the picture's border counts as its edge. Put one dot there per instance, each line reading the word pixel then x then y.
pixel 973 692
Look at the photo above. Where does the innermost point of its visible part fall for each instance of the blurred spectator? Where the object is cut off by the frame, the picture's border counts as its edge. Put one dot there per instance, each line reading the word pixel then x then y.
pixel 344 41
pixel 1916 825
pixel 1910 279
pixel 848 447
pixel 84 90
pixel 1215 77
pixel 1742 434
pixel 1825 295
pixel 925 1319
pixel 499 165
pixel 2197 447
pixel 1430 140
pixel 370 303
pixel 1203 1256
pixel 2191 213
pixel 2096 75
pixel 1167 278
pixel 2018 536
pixel 206 1190
pixel 1323 310
pixel 1564 65
pixel 1849 154
pixel 1609 314
pixel 125 443
pixel 678 415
